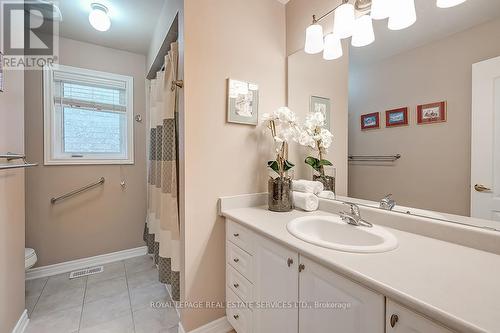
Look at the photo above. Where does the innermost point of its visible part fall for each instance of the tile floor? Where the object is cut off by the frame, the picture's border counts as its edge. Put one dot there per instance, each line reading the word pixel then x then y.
pixel 117 300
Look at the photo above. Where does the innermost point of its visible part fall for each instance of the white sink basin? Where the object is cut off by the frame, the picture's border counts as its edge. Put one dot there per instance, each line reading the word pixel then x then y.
pixel 333 233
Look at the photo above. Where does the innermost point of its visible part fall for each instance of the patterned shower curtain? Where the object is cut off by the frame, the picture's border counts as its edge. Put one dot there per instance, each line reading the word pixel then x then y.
pixel 161 232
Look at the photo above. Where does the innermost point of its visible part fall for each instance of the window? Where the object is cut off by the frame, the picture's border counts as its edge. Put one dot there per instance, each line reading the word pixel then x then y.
pixel 88 117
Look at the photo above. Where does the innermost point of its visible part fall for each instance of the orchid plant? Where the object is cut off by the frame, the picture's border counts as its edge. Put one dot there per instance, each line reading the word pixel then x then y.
pixel 284 128
pixel 315 136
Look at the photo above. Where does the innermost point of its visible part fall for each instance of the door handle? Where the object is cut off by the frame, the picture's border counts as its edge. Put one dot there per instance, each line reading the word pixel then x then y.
pixel 481 188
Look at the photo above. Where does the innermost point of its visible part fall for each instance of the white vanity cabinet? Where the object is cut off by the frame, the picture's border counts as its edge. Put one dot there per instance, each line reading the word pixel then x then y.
pixel 401 320
pixel 280 285
pixel 336 304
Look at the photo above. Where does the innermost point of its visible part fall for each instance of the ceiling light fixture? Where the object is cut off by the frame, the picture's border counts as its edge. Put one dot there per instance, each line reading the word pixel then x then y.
pixel 449 3
pixel 99 17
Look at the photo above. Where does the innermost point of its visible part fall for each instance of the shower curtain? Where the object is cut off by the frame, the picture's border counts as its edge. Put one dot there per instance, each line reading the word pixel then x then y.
pixel 161 232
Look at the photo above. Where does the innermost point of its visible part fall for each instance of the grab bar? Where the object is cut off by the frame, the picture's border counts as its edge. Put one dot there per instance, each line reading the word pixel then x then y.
pixel 374 158
pixel 12 156
pixel 78 191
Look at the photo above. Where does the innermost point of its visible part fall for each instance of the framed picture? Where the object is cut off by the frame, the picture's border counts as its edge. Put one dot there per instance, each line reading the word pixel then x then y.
pixel 396 117
pixel 323 105
pixel 1 72
pixel 370 121
pixel 242 102
pixel 431 113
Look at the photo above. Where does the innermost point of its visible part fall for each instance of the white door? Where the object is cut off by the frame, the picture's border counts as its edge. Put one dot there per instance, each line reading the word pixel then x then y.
pixel 485 158
pixel 276 287
pixel 401 320
pixel 334 304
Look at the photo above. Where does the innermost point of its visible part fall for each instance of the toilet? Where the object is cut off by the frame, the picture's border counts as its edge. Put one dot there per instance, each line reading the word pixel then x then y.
pixel 29 258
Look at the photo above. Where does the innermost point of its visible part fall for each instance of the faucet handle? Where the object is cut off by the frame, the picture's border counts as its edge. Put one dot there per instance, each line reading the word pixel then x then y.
pixel 354 208
pixel 387 197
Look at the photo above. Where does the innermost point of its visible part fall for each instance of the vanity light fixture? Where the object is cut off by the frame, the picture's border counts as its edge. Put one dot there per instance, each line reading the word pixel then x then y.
pixel 314 38
pixel 344 18
pixel 333 47
pixel 449 3
pixel 363 34
pixel 403 14
pixel 99 17
pixel 381 9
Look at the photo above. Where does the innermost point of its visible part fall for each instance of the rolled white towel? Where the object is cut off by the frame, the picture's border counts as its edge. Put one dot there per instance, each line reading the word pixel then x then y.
pixel 327 195
pixel 307 186
pixel 305 201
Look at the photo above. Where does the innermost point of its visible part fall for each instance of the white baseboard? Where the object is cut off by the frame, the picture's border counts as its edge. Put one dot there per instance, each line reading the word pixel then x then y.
pixel 22 323
pixel 69 266
pixel 220 325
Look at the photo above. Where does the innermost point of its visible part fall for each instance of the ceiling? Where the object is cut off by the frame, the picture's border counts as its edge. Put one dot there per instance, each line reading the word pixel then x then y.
pixel 432 24
pixel 132 23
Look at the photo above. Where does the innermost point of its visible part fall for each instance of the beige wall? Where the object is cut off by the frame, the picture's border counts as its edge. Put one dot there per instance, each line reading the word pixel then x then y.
pixel 310 75
pixel 434 171
pixel 11 203
pixel 239 39
pixel 99 221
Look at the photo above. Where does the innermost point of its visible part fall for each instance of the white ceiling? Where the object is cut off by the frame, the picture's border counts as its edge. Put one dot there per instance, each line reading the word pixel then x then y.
pixel 432 24
pixel 132 23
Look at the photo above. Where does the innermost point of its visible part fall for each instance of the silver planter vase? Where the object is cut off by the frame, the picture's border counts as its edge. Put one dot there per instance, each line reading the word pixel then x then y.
pixel 280 194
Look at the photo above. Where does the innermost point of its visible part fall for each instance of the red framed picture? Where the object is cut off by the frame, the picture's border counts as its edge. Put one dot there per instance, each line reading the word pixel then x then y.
pixel 396 117
pixel 431 113
pixel 370 121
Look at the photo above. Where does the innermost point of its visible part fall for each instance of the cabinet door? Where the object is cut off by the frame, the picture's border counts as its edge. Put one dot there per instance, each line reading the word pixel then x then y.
pixel 334 304
pixel 401 320
pixel 275 287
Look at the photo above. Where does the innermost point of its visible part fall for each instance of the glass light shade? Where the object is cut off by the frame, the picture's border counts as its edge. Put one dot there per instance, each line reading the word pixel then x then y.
pixel 363 31
pixel 343 24
pixel 99 18
pixel 449 3
pixel 314 39
pixel 333 47
pixel 403 14
pixel 381 9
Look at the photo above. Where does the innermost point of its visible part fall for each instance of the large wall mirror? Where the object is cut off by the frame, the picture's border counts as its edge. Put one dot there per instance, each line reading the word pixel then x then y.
pixel 416 113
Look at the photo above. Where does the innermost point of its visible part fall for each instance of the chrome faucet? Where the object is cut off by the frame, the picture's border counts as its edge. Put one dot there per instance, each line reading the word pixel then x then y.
pixel 354 217
pixel 387 202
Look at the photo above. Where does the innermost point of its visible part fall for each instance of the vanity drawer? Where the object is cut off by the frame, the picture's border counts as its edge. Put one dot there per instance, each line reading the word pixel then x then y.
pixel 239 284
pixel 240 236
pixel 239 317
pixel 240 260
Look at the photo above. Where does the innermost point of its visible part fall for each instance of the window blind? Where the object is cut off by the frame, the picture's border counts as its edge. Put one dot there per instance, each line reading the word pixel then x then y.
pixel 87 95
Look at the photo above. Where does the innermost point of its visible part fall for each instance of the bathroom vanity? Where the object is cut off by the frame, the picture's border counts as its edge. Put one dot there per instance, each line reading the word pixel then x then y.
pixel 276 282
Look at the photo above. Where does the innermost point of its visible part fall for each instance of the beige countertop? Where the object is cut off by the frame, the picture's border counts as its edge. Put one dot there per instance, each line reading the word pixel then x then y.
pixel 452 284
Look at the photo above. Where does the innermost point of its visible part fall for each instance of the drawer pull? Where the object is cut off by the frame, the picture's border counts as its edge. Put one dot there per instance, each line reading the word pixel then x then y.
pixel 236 285
pixel 289 262
pixel 236 235
pixel 302 267
pixel 394 320
pixel 236 317
pixel 236 259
